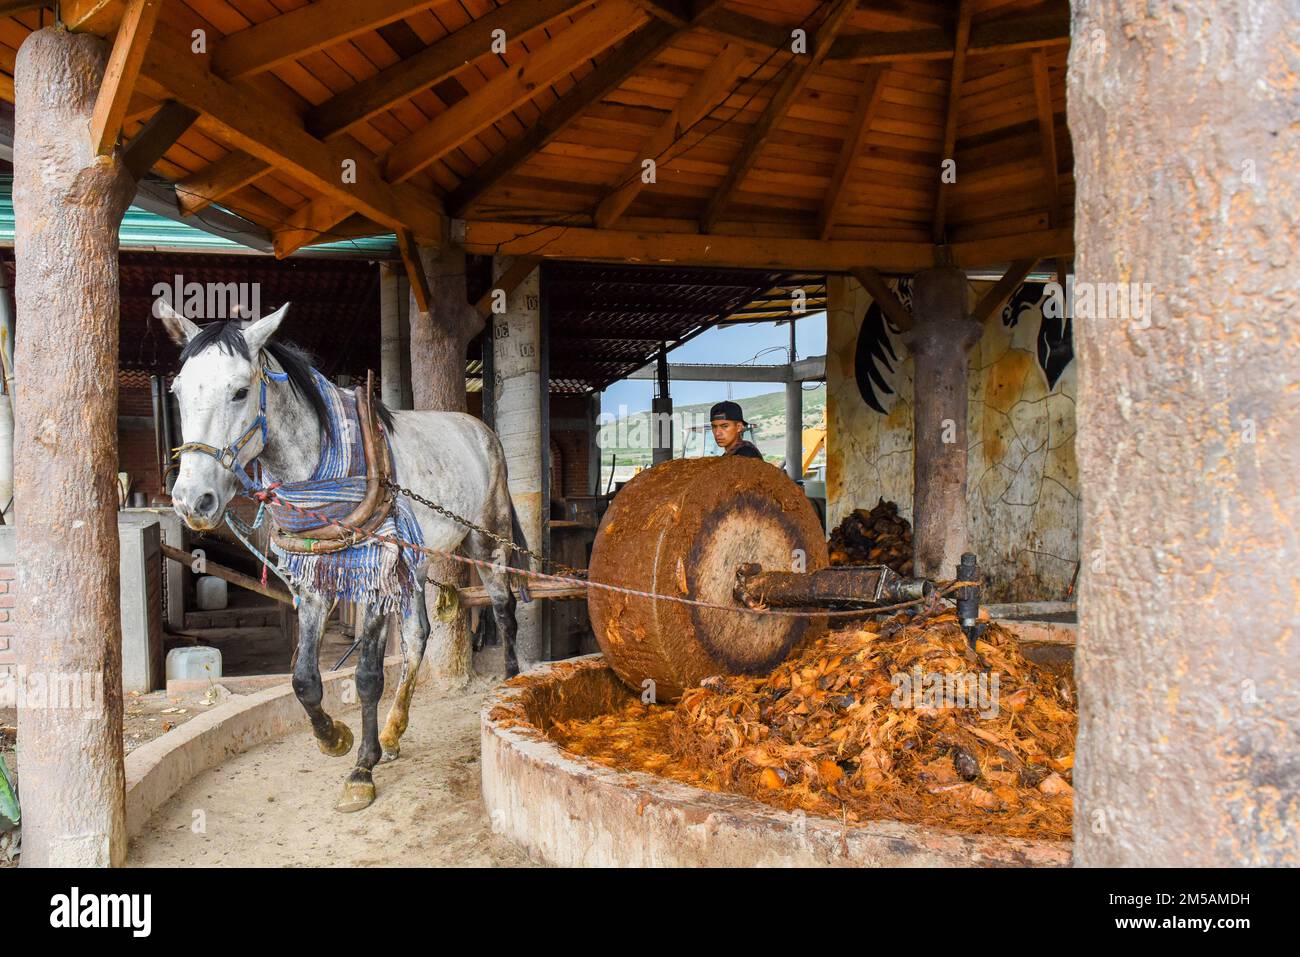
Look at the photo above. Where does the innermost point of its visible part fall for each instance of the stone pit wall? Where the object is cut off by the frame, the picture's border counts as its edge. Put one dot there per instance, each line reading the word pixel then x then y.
pixel 1023 485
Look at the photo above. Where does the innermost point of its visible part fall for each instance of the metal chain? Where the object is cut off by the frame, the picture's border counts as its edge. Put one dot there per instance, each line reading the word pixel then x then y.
pixel 568 570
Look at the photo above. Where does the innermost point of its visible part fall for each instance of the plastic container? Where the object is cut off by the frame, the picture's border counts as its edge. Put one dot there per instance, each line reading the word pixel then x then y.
pixel 213 593
pixel 188 664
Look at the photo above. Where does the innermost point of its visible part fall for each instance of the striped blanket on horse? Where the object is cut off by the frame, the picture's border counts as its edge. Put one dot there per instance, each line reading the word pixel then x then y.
pixel 378 573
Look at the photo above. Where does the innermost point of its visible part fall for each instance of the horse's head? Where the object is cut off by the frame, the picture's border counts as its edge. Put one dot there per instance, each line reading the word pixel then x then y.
pixel 218 391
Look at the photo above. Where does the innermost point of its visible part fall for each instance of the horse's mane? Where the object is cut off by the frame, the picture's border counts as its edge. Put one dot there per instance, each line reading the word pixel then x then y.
pixel 297 363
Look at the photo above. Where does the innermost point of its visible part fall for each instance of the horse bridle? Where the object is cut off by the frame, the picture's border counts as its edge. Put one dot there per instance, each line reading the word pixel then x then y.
pixel 228 457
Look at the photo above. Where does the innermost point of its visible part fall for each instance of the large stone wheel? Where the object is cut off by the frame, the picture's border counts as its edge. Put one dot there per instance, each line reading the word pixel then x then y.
pixel 681 528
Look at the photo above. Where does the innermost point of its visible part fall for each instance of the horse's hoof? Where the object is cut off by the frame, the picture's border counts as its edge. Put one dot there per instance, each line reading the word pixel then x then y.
pixel 342 742
pixel 357 795
pixel 390 754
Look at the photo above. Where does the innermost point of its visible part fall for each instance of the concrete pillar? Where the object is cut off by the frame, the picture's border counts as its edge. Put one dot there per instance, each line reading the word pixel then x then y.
pixel 1188 434
pixel 593 445
pixel 794 429
pixel 940 339
pixel 390 335
pixel 517 400
pixel 68 205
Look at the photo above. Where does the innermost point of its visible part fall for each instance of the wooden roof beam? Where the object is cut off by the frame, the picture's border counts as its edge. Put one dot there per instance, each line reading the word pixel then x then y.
pixel 608 23
pixel 868 102
pixel 796 78
pixel 115 91
pixel 305 30
pixel 956 78
pixel 643 46
pixel 997 36
pixel 883 296
pixel 245 118
pixel 217 180
pixel 435 63
pixel 754 252
pixel 1047 133
pixel 156 137
pixel 1001 291
pixel 415 273
pixel 713 83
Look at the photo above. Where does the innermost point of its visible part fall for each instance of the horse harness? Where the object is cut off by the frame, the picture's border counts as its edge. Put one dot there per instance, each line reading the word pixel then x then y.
pixel 370 513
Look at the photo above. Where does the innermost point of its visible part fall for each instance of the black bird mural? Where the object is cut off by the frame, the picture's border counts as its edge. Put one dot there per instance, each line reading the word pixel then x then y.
pixel 876 356
pixel 1055 347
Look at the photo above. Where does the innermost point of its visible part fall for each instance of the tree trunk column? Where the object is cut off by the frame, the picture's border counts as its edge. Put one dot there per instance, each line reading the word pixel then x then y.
pixel 940 339
pixel 518 396
pixel 1185 140
pixel 68 205
pixel 438 347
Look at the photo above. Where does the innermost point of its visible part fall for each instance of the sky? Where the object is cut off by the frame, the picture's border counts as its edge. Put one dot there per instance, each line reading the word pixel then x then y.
pixel 738 344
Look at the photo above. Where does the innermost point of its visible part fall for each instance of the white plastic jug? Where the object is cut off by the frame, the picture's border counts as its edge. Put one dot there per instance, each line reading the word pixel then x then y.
pixel 213 593
pixel 188 664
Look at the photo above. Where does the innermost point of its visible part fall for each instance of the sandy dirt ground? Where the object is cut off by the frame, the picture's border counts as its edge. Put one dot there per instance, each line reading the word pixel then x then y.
pixel 273 806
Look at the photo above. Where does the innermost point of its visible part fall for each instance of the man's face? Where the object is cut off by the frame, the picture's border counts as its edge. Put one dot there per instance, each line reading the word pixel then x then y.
pixel 727 433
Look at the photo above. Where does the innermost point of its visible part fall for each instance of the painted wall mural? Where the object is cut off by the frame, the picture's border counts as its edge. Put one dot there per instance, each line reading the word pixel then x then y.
pixel 1023 492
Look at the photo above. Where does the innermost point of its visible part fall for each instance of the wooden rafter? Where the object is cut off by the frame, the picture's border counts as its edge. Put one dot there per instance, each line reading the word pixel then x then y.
pixel 884 297
pixel 996 36
pixel 605 25
pixel 435 63
pixel 714 82
pixel 114 98
pixel 601 28
pixel 873 89
pixel 1047 134
pixel 796 77
pixel 380 92
pixel 243 117
pixel 304 30
pixel 956 78
pixel 507 282
pixel 233 171
pixel 414 270
pixel 615 245
pixel 625 61
pixel 156 137
pixel 1001 290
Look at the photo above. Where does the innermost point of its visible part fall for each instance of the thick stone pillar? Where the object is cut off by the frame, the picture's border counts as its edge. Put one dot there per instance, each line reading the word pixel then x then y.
pixel 68 205
pixel 940 339
pixel 1185 144
pixel 390 335
pixel 519 391
pixel 438 347
pixel 794 429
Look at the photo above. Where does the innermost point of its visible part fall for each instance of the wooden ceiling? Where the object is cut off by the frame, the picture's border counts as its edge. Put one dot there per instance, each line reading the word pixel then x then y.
pixel 827 158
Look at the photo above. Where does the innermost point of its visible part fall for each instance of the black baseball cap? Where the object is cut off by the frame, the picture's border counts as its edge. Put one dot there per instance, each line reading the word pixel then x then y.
pixel 728 410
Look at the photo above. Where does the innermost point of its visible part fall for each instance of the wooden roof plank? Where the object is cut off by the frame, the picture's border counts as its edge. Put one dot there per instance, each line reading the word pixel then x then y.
pixel 304 30
pixel 950 121
pixel 120 74
pixel 793 82
pixel 1047 132
pixel 869 101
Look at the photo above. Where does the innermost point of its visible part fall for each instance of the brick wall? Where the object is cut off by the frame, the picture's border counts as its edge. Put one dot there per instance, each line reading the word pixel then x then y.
pixel 136 453
pixel 8 584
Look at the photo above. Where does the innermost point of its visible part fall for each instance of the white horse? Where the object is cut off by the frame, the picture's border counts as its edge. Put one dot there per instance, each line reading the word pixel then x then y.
pixel 228 404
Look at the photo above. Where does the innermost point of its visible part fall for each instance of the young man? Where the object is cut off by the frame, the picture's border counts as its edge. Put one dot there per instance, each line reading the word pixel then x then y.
pixel 729 425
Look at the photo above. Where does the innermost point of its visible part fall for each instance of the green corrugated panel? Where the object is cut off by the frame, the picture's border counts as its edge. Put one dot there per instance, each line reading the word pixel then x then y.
pixel 143 229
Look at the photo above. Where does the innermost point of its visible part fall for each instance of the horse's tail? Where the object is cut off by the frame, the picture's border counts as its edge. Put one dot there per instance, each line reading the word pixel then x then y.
pixel 517 558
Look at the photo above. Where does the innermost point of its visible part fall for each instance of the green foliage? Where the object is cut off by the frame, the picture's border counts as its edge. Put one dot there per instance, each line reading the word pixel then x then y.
pixel 9 810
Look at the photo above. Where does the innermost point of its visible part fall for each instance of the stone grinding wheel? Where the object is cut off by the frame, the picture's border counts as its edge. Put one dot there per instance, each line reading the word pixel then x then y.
pixel 681 528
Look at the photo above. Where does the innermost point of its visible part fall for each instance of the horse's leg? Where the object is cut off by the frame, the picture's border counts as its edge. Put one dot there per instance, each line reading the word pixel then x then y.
pixel 497 582
pixel 359 788
pixel 333 736
pixel 415 635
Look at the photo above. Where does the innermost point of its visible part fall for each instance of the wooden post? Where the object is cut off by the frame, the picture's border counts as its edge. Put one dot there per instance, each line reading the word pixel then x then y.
pixel 1189 435
pixel 940 338
pixel 68 205
pixel 439 340
pixel 390 336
